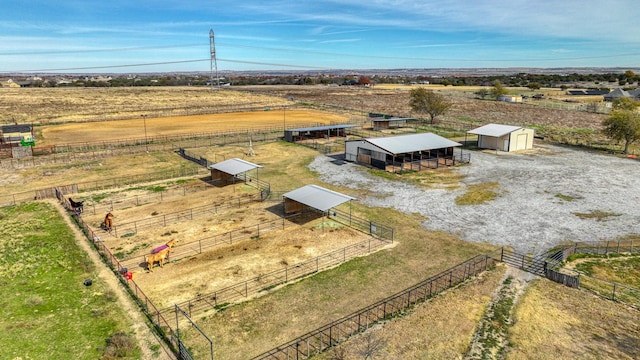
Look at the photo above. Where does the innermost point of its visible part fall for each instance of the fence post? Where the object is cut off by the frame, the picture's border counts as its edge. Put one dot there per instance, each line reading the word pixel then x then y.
pixel 614 292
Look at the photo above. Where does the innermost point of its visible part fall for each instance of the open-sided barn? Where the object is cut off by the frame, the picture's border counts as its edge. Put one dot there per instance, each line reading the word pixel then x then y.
pixel 381 123
pixel 313 196
pixel 316 132
pixel 504 137
pixel 404 152
pixel 227 171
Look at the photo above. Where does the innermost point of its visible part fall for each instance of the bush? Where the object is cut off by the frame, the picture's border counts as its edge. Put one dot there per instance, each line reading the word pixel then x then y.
pixel 119 345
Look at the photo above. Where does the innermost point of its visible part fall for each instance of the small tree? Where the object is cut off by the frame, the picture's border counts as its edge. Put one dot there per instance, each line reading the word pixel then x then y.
pixel 623 125
pixel 427 102
pixel 534 86
pixel 482 93
pixel 498 89
pixel 364 80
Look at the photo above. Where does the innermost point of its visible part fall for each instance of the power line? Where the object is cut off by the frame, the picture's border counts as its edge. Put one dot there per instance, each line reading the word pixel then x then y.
pixel 167 63
pixel 64 52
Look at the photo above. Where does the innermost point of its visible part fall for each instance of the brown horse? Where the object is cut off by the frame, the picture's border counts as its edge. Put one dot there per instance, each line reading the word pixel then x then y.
pixel 158 257
pixel 108 222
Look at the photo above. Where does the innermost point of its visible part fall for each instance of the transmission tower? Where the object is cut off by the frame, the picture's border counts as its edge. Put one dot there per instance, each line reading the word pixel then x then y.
pixel 214 61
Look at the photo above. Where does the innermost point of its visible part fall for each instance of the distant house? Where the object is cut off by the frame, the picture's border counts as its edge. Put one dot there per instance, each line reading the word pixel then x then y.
pixel 504 137
pixel 616 94
pixel 510 98
pixel 9 84
pixel 635 93
pixel 587 92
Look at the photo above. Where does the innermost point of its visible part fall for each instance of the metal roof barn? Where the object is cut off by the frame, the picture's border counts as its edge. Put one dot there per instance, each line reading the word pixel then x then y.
pixel 381 123
pixel 504 137
pixel 495 130
pixel 227 171
pixel 412 143
pixel 316 132
pixel 415 152
pixel 234 166
pixel 317 197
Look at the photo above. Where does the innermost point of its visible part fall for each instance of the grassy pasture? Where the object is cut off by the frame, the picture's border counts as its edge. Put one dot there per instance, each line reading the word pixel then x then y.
pixel 42 106
pixel 81 171
pixel 47 312
pixel 553 321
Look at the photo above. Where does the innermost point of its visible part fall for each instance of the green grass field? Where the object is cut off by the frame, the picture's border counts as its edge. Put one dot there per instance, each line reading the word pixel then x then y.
pixel 46 311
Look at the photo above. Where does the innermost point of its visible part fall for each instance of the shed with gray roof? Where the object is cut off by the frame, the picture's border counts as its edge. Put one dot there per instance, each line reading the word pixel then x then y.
pixel 315 197
pixel 404 152
pixel 229 170
pixel 504 137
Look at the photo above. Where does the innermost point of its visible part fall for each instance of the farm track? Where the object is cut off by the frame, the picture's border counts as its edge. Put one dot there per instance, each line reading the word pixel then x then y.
pixel 143 333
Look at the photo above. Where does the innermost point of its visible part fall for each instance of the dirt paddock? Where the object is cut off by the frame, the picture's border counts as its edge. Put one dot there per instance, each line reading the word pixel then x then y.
pixel 194 272
pixel 140 128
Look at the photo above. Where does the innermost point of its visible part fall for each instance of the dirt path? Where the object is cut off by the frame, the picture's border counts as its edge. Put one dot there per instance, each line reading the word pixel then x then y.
pixel 144 336
pixel 490 340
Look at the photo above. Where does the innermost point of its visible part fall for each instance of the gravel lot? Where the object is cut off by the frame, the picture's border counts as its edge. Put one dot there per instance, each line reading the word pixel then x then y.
pixel 527 215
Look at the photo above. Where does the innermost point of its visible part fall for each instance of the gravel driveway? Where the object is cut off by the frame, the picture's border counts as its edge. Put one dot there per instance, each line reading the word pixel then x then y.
pixel 527 215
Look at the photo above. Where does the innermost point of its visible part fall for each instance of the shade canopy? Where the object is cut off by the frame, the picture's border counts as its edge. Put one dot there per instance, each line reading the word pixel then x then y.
pixel 317 197
pixel 234 166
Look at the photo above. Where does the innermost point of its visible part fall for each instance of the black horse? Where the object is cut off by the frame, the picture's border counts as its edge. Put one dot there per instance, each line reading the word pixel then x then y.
pixel 77 207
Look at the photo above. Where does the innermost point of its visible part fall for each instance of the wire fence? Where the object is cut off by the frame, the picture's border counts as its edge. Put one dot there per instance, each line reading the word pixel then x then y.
pixel 372 228
pixel 608 289
pixel 319 340
pixel 122 202
pixel 183 215
pixel 159 322
pixel 67 153
pixel 224 297
pixel 198 246
pixel 101 184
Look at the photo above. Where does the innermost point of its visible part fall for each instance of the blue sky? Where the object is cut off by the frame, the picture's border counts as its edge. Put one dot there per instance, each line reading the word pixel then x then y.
pixel 173 35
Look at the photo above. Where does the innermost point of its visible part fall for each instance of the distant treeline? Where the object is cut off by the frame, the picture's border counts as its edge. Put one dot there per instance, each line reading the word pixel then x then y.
pixel 601 81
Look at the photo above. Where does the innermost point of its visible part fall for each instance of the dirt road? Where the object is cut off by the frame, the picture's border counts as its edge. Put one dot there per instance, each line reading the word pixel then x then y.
pixel 144 336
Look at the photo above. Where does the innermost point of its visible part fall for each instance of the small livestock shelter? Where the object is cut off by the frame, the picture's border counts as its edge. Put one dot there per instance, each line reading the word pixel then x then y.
pixel 403 152
pixel 504 137
pixel 317 132
pixel 17 133
pixel 229 170
pixel 17 141
pixel 314 197
pixel 383 123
